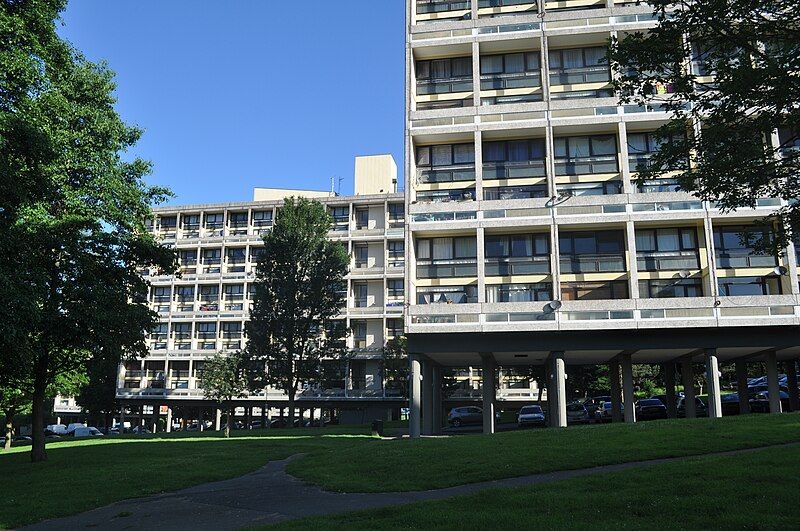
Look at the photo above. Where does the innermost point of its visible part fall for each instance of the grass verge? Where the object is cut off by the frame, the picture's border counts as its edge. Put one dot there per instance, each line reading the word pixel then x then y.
pixel 442 462
pixel 753 491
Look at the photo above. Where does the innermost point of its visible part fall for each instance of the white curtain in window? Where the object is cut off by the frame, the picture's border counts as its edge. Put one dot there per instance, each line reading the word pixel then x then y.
pixel 637 143
pixel 595 56
pixel 494 151
pixel 464 153
pixel 689 239
pixel 440 69
pixel 462 66
pixel 423 250
pixel 492 294
pixel 492 64
pixel 533 60
pixel 442 248
pixel 518 150
pixel 578 146
pixel 465 247
pixel 442 155
pixel 645 240
pixel 668 240
pixel 515 63
pixel 573 58
pixel 604 145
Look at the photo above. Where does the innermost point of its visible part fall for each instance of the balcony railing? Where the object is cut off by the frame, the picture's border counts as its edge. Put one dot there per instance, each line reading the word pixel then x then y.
pixel 447 269
pixel 514 170
pixel 511 81
pixel 517 266
pixel 504 3
pixel 574 76
pixel 440 6
pixel 744 258
pixel 593 263
pixel 587 165
pixel 446 196
pixel 667 260
pixel 447 174
pixel 444 85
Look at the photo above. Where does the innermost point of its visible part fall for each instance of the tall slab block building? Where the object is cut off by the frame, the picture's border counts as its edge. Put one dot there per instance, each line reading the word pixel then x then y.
pixel 524 214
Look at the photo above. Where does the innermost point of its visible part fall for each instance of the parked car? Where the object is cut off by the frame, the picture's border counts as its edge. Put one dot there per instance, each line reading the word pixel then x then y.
pixel 759 402
pixel 650 408
pixel 594 404
pixel 577 414
pixel 72 427
pixel 530 416
pixel 55 429
pixel 283 422
pixel 730 404
pixel 462 416
pixel 604 413
pixel 87 432
pixel 700 407
pixel 20 440
pixel 140 430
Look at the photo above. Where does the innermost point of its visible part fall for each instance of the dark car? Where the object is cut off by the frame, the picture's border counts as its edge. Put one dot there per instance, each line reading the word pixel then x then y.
pixel 283 422
pixel 730 404
pixel 650 408
pixel 759 402
pixel 577 414
pixel 462 416
pixel 700 407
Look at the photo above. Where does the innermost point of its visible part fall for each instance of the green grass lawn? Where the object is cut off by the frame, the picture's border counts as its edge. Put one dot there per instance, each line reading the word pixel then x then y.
pixel 751 491
pixel 443 462
pixel 84 474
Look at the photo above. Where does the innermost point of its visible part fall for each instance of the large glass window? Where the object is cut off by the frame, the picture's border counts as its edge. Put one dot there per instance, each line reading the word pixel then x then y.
pixel 445 163
pixel 513 70
pixel 664 288
pixel 437 76
pixel 589 291
pixel 519 292
pixel 447 294
pixel 583 252
pixel 446 257
pixel 736 246
pixel 665 249
pixel 580 155
pixel 738 286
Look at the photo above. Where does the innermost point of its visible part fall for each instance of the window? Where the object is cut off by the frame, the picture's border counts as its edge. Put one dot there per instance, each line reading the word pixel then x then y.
pixel 212 256
pixel 159 332
pixel 340 214
pixel 262 218
pixel 162 294
pixel 577 58
pixel 237 219
pixel 515 192
pixel 517 246
pixel 657 289
pixel 360 291
pixel 209 294
pixel 190 222
pixel 445 155
pixel 599 242
pixel 396 288
pixel 207 330
pixel 234 291
pixel 396 211
pixel 182 331
pixel 519 292
pixel 655 240
pixel 447 295
pixel 394 327
pixel 231 330
pixel 442 69
pixel 641 147
pixel 213 221
pixel 236 255
pixel 361 253
pixel 184 293
pixel 396 250
pixel 362 218
pixel 589 291
pixel 588 189
pixel 168 222
pixel 188 258
pixel 736 286
pixel 579 155
pixel 256 253
pixel 735 246
pixel 514 150
pixel 514 70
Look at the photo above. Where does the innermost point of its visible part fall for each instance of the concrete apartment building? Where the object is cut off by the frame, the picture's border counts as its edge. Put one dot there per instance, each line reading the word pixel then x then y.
pixel 529 240
pixel 204 310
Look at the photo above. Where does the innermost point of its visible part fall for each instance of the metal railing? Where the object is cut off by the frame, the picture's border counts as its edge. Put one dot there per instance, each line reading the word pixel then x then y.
pixel 517 266
pixel 593 263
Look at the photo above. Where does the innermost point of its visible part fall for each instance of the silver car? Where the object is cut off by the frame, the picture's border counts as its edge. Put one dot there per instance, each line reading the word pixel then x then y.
pixel 530 416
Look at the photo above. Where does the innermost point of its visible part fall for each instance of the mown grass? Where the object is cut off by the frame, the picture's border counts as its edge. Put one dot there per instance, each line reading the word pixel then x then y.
pixel 442 462
pixel 748 491
pixel 83 474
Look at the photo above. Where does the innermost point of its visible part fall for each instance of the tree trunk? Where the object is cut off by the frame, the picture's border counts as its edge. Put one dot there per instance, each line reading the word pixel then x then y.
pixel 291 410
pixel 229 421
pixel 108 421
pixel 9 429
pixel 38 452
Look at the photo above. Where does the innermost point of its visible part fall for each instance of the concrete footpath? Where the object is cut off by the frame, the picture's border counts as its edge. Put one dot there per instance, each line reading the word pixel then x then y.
pixel 270 495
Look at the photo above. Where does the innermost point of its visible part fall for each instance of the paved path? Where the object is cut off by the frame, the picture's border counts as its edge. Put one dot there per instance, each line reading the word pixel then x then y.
pixel 270 495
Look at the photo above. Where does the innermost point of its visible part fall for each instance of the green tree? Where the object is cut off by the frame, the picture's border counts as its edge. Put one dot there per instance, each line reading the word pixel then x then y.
pixel 297 296
pixel 73 211
pixel 99 395
pixel 725 123
pixel 394 366
pixel 225 379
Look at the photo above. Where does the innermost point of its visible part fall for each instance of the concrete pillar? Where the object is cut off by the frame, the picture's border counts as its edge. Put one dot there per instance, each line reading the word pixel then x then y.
pixel 712 377
pixel 488 387
pixel 791 383
pixel 427 397
pixel 248 411
pixel 200 424
pixel 772 384
pixel 687 376
pixel 616 392
pixel 741 387
pixel 263 416
pixel 218 419
pixel 169 419
pixel 414 393
pixel 558 395
pixel 627 389
pixel 122 419
pixel 436 383
pixel 669 383
pixel 154 421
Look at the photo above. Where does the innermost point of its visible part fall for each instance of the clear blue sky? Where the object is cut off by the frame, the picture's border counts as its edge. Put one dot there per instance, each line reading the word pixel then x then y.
pixel 246 93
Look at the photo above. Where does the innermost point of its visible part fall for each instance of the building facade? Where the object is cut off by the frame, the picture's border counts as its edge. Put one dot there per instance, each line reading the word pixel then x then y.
pixel 203 310
pixel 529 239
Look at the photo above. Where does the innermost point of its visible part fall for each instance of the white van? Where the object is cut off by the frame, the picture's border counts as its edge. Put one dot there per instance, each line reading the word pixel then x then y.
pixel 75 425
pixel 87 432
pixel 58 429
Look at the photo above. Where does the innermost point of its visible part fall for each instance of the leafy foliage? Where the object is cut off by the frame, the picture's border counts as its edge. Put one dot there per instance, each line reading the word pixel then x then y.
pixel 728 86
pixel 72 211
pixel 224 378
pixel 297 297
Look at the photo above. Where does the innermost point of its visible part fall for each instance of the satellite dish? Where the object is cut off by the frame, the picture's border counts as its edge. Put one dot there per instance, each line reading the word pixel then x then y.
pixel 780 271
pixel 554 305
pixel 684 273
